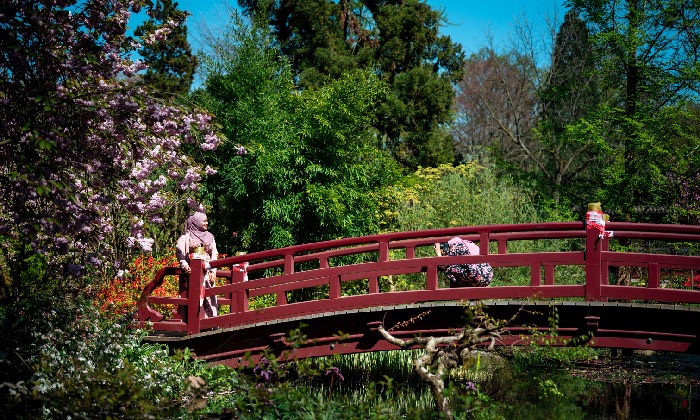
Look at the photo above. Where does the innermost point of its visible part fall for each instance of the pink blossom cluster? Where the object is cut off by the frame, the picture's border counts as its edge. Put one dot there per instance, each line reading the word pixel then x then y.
pixel 159 34
pixel 81 145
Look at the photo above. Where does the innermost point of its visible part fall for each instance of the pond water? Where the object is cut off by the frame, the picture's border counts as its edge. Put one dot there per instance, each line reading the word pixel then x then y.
pixel 655 386
pixel 634 386
pixel 646 401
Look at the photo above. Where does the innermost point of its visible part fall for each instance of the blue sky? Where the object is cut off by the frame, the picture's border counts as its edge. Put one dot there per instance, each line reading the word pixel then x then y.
pixel 470 20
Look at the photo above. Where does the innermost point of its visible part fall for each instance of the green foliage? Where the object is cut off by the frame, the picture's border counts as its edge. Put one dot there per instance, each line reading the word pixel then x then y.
pixel 23 325
pixel 399 42
pixel 86 368
pixel 313 388
pixel 468 194
pixel 644 53
pixel 566 98
pixel 414 118
pixel 612 118
pixel 653 157
pixel 79 360
pixel 683 180
pixel 312 171
pixel 546 349
pixel 567 129
pixel 29 272
pixel 171 64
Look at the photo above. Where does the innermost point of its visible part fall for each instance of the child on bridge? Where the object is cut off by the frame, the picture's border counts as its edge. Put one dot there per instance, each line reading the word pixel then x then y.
pixel 595 219
pixel 465 275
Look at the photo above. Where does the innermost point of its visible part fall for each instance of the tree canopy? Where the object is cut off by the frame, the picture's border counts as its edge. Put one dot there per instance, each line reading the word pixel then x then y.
pixel 171 64
pixel 85 154
pixel 312 171
pixel 399 41
pixel 607 119
pixel 647 55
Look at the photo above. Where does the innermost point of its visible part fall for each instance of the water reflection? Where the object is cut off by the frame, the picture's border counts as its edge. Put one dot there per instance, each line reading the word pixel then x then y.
pixel 644 386
pixel 622 401
pixel 637 386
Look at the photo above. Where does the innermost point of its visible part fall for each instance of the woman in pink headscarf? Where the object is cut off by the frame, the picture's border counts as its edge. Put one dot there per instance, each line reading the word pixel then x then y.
pixel 465 275
pixel 197 235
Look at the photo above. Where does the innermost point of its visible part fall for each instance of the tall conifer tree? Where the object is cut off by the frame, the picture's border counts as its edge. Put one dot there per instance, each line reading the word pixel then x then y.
pixel 171 62
pixel 398 40
pixel 572 89
pixel 569 161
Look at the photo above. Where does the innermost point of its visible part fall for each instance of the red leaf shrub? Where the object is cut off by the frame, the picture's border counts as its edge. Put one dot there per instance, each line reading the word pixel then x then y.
pixel 695 283
pixel 121 294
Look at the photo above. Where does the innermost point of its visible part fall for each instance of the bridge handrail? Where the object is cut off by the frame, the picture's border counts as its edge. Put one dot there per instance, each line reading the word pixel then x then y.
pixel 522 231
pixel 283 278
pixel 396 240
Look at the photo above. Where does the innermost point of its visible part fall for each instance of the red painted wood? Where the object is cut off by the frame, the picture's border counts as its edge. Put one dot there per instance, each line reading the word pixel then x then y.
pixel 549 275
pixel 412 264
pixel 194 296
pixel 334 289
pixel 594 276
pixel 432 281
pixel 418 257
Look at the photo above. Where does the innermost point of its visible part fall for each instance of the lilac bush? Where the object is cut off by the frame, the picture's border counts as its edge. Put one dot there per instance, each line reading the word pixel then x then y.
pixel 88 158
pixel 687 208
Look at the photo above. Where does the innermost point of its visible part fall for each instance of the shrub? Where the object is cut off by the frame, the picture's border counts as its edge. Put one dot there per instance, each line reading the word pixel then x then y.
pixel 471 195
pixel 86 367
pixel 122 293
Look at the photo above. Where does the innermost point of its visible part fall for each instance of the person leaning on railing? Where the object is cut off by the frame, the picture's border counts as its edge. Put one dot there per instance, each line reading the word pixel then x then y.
pixel 197 239
pixel 464 275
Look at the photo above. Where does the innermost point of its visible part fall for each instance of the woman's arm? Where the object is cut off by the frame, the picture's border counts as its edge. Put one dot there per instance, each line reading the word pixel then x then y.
pixel 214 252
pixel 438 252
pixel 181 251
pixel 214 256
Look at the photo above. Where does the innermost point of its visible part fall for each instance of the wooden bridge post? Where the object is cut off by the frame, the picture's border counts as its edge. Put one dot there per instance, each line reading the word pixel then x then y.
pixel 484 243
pixel 239 300
pixel 195 294
pixel 594 245
pixel 288 269
pixel 383 251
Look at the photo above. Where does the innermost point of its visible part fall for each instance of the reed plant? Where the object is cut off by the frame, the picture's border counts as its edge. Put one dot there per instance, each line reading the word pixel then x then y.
pixel 384 382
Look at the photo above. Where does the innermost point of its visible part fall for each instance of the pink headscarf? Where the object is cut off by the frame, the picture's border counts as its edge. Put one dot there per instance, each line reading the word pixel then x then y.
pixel 195 227
pixel 471 246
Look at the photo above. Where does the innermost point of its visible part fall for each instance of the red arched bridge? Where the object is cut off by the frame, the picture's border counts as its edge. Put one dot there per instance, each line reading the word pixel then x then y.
pixel 329 297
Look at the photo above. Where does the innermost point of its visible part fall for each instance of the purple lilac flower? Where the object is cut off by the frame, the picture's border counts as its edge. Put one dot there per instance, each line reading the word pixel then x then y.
pixel 335 373
pixel 262 370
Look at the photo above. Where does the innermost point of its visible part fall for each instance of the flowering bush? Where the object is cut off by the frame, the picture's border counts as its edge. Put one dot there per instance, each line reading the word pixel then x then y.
pixel 122 293
pixel 86 367
pixel 694 284
pixel 681 280
pixel 90 159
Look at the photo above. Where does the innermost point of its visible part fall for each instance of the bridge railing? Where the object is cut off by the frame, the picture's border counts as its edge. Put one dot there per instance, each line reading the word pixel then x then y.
pixel 327 268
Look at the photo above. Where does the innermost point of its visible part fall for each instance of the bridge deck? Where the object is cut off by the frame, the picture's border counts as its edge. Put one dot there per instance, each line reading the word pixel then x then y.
pixel 613 324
